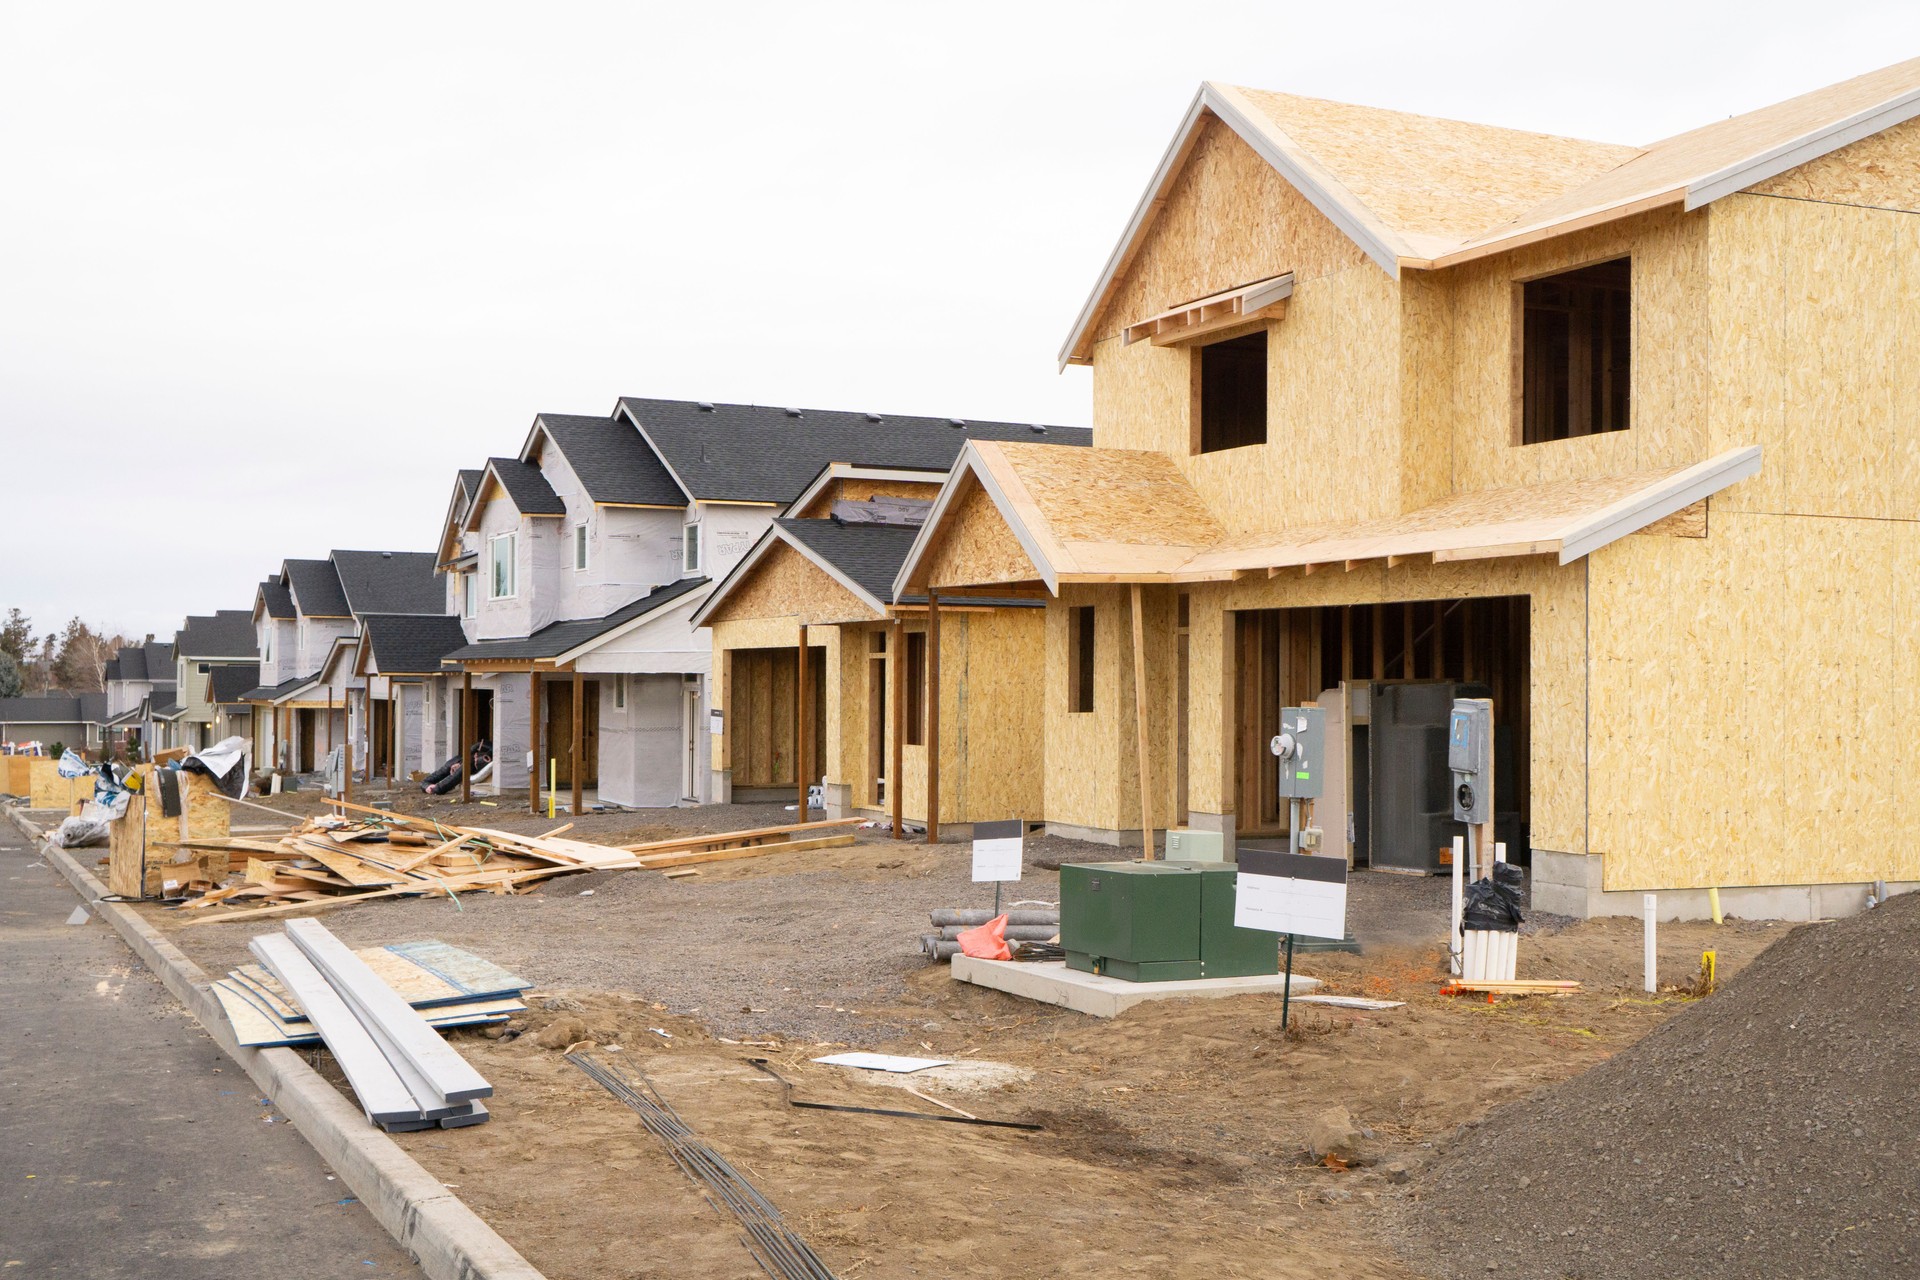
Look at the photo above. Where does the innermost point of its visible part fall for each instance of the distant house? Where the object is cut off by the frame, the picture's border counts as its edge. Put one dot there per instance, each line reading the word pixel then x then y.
pixel 76 720
pixel 130 678
pixel 222 642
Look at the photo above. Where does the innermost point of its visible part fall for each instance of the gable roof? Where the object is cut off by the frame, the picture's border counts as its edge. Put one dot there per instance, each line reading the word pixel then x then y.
pixel 54 708
pixel 469 478
pixel 612 460
pixel 408 644
pixel 316 589
pixel 559 638
pixel 759 453
pixel 149 660
pixel 864 556
pixel 1421 192
pixel 231 682
pixel 526 488
pixel 390 581
pixel 276 598
pixel 226 634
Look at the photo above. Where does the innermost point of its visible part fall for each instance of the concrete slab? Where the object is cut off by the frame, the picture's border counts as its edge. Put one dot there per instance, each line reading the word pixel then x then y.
pixel 1051 982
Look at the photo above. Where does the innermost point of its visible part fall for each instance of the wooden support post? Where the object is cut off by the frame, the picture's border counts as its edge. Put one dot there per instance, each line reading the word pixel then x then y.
pixel 533 741
pixel 1439 671
pixel 575 749
pixel 1140 722
pixel 802 731
pixel 1406 640
pixel 1379 668
pixel 1346 642
pixel 466 736
pixel 329 720
pixel 896 685
pixel 933 717
pixel 393 732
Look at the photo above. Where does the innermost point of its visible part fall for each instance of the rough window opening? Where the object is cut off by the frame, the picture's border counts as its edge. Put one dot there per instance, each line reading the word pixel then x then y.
pixel 1080 658
pixel 1230 390
pixel 1576 349
pixel 916 674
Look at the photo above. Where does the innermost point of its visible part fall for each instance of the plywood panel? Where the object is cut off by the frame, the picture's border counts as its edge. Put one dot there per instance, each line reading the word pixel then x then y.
pixel 46 789
pixel 785 584
pixel 1001 706
pixel 1882 171
pixel 974 546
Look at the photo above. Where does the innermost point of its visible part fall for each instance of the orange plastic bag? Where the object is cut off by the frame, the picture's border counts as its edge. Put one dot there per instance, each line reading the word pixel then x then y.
pixel 988 942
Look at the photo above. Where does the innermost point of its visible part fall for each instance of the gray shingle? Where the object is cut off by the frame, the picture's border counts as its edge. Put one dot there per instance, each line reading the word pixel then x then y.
pixel 390 582
pixel 278 600
pixel 559 637
pixel 232 682
pixel 227 634
pixel 526 488
pixel 870 554
pixel 411 644
pixel 316 588
pixel 758 453
pixel 612 460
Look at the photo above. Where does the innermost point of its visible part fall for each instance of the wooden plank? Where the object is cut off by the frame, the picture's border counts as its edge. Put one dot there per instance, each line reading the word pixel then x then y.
pixel 751 833
pixel 1140 721
pixel 363 991
pixel 376 1083
pixel 657 861
pixel 354 871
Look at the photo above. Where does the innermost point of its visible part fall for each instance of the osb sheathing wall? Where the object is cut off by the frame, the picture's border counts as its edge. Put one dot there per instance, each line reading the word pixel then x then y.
pixel 975 546
pixel 731 637
pixel 990 720
pixel 1557 659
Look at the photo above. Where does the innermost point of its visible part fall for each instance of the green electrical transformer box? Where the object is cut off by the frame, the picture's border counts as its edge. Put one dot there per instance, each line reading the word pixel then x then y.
pixel 1158 922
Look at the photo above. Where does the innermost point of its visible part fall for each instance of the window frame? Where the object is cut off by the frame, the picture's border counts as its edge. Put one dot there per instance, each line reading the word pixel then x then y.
pixel 511 538
pixel 582 556
pixel 690 549
pixel 469 593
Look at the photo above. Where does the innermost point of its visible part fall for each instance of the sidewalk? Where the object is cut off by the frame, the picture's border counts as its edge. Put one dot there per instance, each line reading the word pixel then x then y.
pixel 134 1147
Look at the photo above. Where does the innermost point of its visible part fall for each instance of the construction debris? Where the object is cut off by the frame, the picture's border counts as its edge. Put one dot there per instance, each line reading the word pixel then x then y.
pixel 338 860
pixel 403 1074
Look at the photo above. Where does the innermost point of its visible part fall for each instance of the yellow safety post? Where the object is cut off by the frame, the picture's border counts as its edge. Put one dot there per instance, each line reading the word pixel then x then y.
pixel 553 780
pixel 1707 959
pixel 1713 904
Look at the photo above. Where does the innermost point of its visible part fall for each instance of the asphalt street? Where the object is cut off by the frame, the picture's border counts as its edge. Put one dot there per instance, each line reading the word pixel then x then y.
pixel 130 1146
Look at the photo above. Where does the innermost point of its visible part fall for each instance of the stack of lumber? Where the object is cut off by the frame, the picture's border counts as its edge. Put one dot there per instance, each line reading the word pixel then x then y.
pixel 450 987
pixel 403 1074
pixel 334 861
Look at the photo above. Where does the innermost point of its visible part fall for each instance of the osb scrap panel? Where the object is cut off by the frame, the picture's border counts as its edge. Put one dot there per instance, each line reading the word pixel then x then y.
pixel 1670 354
pixel 1881 171
pixel 46 789
pixel 18 775
pixel 1813 335
pixel 1228 219
pixel 974 546
pixel 1557 661
pixel 785 584
pixel 1774 629
pixel 204 812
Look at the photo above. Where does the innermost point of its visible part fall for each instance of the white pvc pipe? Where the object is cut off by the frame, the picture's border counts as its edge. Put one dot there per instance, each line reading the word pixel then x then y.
pixel 1459 885
pixel 1650 904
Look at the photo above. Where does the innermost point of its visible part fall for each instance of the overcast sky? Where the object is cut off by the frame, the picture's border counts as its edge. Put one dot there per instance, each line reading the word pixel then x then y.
pixel 270 273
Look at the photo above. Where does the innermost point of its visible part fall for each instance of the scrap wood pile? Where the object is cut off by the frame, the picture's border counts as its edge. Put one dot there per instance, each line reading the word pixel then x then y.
pixel 403 1074
pixel 337 860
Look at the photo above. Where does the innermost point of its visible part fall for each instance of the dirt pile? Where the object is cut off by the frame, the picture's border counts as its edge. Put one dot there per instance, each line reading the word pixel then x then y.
pixel 1768 1129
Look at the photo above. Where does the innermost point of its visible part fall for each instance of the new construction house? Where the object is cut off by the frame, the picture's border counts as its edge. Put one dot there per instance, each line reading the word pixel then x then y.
pixel 1390 409
pixel 578 564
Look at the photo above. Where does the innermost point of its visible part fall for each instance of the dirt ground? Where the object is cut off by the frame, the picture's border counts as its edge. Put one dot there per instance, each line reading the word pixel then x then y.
pixel 1175 1136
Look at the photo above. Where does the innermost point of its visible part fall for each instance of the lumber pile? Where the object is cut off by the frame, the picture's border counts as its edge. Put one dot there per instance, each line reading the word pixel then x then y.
pixel 403 1074
pixel 449 986
pixel 335 861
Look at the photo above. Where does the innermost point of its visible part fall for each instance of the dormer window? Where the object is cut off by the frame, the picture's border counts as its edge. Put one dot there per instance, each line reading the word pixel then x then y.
pixel 1230 393
pixel 1575 353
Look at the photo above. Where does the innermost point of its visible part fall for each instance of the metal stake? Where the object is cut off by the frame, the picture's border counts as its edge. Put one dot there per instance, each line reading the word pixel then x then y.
pixel 1286 992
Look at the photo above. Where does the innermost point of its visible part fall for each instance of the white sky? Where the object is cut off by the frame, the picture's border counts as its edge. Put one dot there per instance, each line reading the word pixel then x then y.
pixel 270 273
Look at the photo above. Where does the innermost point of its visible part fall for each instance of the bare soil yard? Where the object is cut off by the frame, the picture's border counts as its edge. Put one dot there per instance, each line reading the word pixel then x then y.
pixel 1175 1139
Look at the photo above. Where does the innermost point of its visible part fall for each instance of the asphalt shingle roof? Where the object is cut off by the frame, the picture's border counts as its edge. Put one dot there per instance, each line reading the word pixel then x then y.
pixel 527 488
pixel 278 599
pixel 470 478
pixel 390 581
pixel 758 453
pixel 232 682
pixel 870 554
pixel 559 637
pixel 151 660
pixel 54 708
pixel 411 644
pixel 612 460
pixel 316 588
pixel 227 634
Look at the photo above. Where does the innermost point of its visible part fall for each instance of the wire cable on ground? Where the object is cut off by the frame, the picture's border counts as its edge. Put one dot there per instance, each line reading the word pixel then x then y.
pixel 779 1251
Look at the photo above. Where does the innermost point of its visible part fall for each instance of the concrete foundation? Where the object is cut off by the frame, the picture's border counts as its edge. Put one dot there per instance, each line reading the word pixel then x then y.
pixel 1569 884
pixel 1051 982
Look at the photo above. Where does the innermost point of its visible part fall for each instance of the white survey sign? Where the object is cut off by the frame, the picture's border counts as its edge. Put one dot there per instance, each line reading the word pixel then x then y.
pixel 1293 893
pixel 997 850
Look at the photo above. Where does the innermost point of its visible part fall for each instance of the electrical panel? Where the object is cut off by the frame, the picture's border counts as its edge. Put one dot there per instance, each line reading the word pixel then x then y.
pixel 1301 746
pixel 1470 758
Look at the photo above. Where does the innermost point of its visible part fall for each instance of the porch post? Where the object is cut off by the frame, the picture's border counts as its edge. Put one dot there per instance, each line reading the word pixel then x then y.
pixel 933 717
pixel 802 731
pixel 896 683
pixel 1140 723
pixel 466 735
pixel 533 740
pixel 578 736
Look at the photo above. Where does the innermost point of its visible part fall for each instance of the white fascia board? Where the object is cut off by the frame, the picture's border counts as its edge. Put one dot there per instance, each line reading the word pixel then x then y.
pixel 1316 187
pixel 1639 510
pixel 1775 161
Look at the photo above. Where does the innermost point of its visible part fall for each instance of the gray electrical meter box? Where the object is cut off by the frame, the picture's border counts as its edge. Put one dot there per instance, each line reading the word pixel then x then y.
pixel 1301 746
pixel 1470 757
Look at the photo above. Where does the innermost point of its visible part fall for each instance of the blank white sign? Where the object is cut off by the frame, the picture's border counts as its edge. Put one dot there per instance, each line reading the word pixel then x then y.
pixel 997 850
pixel 1291 893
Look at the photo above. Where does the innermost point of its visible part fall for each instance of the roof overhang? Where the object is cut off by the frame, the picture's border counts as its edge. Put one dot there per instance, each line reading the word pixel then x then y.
pixel 631 625
pixel 1213 314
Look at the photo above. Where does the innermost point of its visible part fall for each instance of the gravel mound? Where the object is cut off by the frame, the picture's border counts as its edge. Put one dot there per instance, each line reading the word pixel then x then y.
pixel 1771 1129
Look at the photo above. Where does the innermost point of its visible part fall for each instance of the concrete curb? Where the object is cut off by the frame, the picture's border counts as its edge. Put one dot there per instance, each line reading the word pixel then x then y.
pixel 447 1239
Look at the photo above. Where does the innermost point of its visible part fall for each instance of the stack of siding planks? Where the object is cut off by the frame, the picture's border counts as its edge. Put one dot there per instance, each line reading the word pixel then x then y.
pixel 404 1075
pixel 338 860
